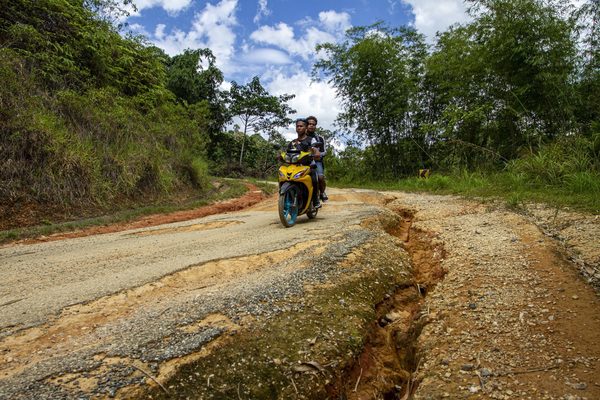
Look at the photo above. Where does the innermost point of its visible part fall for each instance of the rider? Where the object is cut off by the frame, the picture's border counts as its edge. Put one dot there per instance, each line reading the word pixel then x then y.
pixel 311 128
pixel 307 143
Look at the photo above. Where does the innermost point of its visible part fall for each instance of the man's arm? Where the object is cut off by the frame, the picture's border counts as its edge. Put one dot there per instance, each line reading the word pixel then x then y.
pixel 324 152
pixel 314 145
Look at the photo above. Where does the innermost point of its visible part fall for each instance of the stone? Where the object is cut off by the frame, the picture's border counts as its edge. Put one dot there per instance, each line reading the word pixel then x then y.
pixel 467 367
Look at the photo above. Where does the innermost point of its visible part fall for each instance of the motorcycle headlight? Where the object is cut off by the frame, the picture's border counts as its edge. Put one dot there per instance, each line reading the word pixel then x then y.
pixel 299 174
pixel 281 174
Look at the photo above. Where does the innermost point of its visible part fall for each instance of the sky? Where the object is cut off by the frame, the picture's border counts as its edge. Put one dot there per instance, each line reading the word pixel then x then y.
pixel 275 39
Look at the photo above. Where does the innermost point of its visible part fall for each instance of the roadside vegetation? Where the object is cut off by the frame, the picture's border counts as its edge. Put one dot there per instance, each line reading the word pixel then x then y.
pixel 506 105
pixel 93 120
pixel 563 173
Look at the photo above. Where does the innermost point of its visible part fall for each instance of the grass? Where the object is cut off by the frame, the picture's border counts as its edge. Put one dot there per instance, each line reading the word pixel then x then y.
pixel 579 191
pixel 234 188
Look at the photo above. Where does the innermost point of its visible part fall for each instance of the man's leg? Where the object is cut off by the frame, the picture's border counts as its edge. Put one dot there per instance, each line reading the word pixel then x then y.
pixel 315 183
pixel 322 184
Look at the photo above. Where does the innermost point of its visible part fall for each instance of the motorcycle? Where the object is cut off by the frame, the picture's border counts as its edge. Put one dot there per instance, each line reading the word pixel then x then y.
pixel 295 187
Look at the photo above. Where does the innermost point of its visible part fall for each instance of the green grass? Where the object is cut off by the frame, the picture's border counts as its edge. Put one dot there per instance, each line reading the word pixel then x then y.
pixel 579 190
pixel 234 188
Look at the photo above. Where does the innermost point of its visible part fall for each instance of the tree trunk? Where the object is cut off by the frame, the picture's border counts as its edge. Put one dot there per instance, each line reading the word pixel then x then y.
pixel 243 141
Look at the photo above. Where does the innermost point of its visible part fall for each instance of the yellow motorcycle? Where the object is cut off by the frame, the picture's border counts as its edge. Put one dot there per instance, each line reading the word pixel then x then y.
pixel 295 187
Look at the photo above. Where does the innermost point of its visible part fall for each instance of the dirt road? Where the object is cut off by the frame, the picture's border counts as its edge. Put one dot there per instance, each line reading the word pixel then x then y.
pixel 384 295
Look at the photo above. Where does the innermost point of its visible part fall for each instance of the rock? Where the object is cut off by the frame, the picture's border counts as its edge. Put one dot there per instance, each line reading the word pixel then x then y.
pixel 575 297
pixel 467 367
pixel 472 306
pixel 484 372
pixel 474 389
pixel 580 386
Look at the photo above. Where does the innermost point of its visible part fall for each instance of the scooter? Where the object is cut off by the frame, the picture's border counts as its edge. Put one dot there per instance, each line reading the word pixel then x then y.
pixel 295 187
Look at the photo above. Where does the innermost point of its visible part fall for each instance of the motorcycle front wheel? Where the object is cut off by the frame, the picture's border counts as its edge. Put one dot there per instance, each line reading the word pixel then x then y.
pixel 312 213
pixel 288 207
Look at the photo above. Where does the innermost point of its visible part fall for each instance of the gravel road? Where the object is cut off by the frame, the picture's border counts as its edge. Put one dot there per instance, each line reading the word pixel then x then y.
pixel 516 315
pixel 74 305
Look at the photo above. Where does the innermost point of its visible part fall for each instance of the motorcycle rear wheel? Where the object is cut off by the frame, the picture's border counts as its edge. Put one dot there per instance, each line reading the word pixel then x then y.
pixel 288 207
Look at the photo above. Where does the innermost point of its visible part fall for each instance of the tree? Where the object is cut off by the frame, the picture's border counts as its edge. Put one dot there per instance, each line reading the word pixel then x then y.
pixel 501 85
pixel 110 10
pixel 257 110
pixel 193 77
pixel 528 48
pixel 377 74
pixel 588 84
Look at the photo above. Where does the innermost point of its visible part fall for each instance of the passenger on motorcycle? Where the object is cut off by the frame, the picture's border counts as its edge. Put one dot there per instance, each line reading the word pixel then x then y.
pixel 311 128
pixel 307 143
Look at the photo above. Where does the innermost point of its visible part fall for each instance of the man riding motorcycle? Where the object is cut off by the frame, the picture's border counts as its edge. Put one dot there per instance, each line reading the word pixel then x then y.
pixel 311 132
pixel 307 143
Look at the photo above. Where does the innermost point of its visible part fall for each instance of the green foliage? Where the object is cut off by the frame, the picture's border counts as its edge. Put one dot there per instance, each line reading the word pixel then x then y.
pixel 96 146
pixel 189 80
pixel 66 46
pixel 198 170
pixel 376 73
pixel 565 162
pixel 260 155
pixel 257 110
pixel 193 77
pixel 87 116
pixel 491 91
pixel 502 84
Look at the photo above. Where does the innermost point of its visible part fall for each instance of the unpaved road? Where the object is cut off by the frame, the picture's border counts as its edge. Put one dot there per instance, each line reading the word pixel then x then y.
pixel 384 295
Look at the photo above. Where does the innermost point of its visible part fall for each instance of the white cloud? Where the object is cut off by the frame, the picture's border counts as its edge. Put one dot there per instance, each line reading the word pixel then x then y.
pixel 330 28
pixel 263 11
pixel 432 16
pixel 159 32
pixel 334 21
pixel 212 28
pixel 312 98
pixel 139 29
pixel 266 56
pixel 170 6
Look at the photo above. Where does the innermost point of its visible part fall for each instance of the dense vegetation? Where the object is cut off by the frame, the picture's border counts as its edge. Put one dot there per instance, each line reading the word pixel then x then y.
pixel 89 116
pixel 515 90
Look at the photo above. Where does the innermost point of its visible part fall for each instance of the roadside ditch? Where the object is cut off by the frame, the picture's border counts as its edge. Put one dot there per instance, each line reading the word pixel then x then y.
pixel 389 362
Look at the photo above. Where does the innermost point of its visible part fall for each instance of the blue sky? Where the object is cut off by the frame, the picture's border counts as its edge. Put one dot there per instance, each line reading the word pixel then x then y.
pixel 275 39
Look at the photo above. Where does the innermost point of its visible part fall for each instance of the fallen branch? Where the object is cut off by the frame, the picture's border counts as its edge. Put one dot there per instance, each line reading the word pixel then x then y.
pixel 294 384
pixel 481 382
pixel 526 371
pixel 358 380
pixel 151 377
